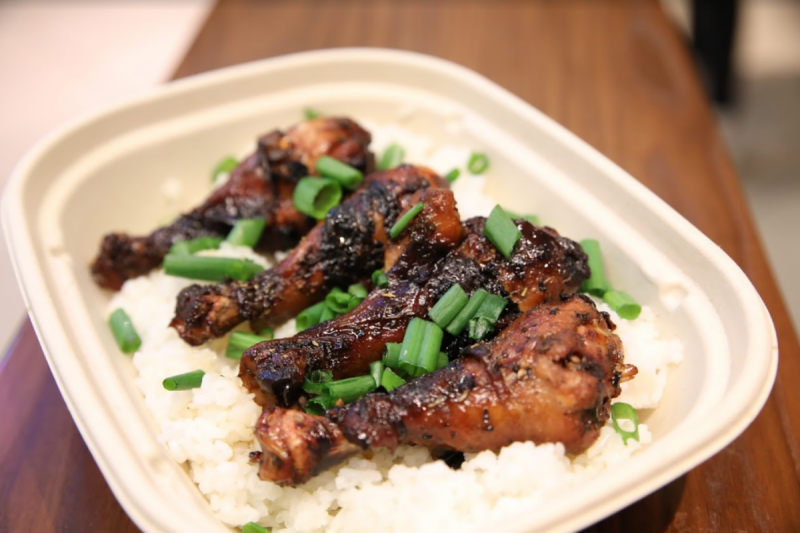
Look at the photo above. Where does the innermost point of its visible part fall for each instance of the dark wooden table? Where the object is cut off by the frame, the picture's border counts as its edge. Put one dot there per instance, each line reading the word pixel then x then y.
pixel 618 75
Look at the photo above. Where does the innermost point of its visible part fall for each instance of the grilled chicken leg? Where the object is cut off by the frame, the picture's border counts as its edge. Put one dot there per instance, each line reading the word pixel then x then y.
pixel 544 266
pixel 260 187
pixel 346 248
pixel 548 377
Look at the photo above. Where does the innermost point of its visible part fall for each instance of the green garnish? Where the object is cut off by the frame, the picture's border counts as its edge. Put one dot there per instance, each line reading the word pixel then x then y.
pixel 478 163
pixel 448 306
pixel 502 231
pixel 624 411
pixel 405 220
pixel 392 157
pixel 210 268
pixel 124 332
pixel 193 246
pixel 452 175
pixel 597 284
pixel 189 380
pixel 347 176
pixel 246 232
pixel 240 342
pixel 622 304
pixel 316 196
pixel 225 166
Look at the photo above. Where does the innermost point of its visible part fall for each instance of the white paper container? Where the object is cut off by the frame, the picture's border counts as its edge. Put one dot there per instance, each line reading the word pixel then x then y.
pixel 108 171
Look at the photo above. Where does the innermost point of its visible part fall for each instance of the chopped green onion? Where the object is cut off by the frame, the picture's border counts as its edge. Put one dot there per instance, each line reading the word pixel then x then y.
pixel 310 316
pixel 252 527
pixel 327 314
pixel 491 308
pixel 357 290
pixel 241 341
pixel 391 356
pixel 479 327
pixel 313 384
pixel 246 232
pixel 622 304
pixel 311 113
pixel 347 176
pixel 316 196
pixel 429 350
pixel 448 306
pixel 412 342
pixel 478 163
pixel 195 245
pixel 210 268
pixel 392 157
pixel 441 361
pixel 189 380
pixel 405 220
pixel 349 389
pixel 379 279
pixel 376 371
pixel 124 332
pixel 225 166
pixel 624 411
pixel 502 231
pixel 597 284
pixel 267 333
pixel 319 404
pixel 338 300
pixel 457 325
pixel 452 175
pixel 390 380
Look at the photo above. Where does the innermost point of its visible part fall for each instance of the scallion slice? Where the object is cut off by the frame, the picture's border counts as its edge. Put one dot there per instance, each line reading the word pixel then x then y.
pixel 391 356
pixel 347 176
pixel 491 308
pixel 316 196
pixel 478 163
pixel 267 333
pixel 376 371
pixel 412 342
pixel 405 220
pixel 502 231
pixel 392 157
pixel 623 411
pixel 349 389
pixel 357 290
pixel 452 175
pixel 189 380
pixel 448 306
pixel 338 300
pixel 622 304
pixel 313 384
pixel 441 361
pixel 597 284
pixel 310 316
pixel 246 232
pixel 379 279
pixel 390 380
pixel 225 166
pixel 457 325
pixel 319 404
pixel 124 332
pixel 210 268
pixel 479 327
pixel 327 314
pixel 240 342
pixel 310 113
pixel 429 350
pixel 252 527
pixel 193 246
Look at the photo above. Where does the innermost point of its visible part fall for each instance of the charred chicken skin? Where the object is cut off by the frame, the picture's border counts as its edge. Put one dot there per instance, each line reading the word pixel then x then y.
pixel 544 267
pixel 548 377
pixel 261 186
pixel 275 370
pixel 347 247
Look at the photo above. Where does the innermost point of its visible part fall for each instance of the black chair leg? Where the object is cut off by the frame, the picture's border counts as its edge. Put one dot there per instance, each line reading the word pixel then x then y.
pixel 714 27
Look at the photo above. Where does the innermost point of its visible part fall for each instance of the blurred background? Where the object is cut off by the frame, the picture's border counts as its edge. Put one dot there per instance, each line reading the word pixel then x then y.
pixel 61 60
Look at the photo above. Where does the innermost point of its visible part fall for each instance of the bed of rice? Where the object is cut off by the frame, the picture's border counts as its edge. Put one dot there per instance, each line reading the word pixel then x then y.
pixel 210 429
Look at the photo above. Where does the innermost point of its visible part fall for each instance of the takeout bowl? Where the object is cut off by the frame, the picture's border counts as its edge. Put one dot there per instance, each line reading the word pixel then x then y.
pixel 135 165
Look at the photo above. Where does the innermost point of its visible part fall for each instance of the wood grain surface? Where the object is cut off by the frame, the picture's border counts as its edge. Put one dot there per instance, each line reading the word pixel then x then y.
pixel 615 73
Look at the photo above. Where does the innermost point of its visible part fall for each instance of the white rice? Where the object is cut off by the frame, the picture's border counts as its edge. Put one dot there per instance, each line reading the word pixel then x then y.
pixel 211 428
